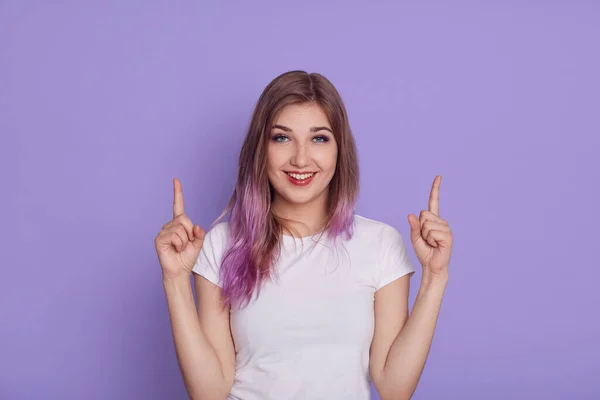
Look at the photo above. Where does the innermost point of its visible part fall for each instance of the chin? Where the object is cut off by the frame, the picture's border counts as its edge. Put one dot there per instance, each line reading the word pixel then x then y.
pixel 295 198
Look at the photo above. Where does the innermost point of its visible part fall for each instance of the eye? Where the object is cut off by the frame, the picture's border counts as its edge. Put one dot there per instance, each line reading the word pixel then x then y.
pixel 279 138
pixel 321 139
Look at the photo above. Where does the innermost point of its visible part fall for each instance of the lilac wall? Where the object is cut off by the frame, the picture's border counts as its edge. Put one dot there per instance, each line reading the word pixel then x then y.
pixel 102 104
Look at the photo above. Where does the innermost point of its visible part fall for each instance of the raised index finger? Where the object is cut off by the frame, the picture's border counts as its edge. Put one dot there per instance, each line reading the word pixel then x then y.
pixel 177 198
pixel 434 197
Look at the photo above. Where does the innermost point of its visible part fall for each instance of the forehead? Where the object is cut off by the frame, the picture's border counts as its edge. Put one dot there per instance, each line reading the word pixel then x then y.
pixel 302 116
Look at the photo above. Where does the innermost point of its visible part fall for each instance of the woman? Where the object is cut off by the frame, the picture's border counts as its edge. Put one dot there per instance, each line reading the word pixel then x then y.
pixel 297 296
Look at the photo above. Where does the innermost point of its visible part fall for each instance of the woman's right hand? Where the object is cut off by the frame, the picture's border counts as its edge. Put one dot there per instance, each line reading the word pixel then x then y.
pixel 179 242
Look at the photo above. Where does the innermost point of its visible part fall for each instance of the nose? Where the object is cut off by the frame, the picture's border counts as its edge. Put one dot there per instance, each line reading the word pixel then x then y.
pixel 301 158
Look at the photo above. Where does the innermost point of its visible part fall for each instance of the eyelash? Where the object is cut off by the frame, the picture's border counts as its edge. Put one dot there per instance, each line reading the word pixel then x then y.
pixel 323 139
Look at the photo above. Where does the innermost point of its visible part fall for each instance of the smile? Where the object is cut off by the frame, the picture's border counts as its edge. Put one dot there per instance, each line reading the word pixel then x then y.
pixel 301 179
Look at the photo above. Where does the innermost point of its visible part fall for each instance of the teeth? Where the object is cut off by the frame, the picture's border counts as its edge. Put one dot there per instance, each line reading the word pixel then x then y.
pixel 301 176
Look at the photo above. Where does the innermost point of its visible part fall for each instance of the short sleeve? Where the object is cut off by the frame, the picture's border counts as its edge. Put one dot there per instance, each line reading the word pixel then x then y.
pixel 395 261
pixel 209 261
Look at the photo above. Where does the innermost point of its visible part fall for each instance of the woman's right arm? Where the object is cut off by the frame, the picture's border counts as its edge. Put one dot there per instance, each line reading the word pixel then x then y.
pixel 201 334
pixel 202 337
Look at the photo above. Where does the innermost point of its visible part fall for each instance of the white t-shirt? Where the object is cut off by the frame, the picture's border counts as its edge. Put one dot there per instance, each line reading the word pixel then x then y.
pixel 308 334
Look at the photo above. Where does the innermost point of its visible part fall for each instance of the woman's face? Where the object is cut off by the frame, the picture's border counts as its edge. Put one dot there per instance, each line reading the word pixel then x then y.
pixel 301 154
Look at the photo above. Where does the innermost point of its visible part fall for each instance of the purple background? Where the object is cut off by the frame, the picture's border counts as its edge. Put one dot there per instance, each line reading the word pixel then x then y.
pixel 103 103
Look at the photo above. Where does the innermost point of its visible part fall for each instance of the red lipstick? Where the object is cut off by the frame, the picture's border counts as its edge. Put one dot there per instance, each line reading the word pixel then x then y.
pixel 300 182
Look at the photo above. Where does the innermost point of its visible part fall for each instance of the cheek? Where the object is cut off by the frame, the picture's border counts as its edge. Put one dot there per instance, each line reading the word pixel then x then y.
pixel 329 159
pixel 273 158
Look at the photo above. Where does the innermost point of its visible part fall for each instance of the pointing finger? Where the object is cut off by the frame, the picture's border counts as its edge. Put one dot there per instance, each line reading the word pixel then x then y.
pixel 177 198
pixel 434 197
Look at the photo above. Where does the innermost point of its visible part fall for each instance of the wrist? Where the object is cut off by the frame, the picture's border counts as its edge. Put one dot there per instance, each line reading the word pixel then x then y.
pixel 432 280
pixel 181 278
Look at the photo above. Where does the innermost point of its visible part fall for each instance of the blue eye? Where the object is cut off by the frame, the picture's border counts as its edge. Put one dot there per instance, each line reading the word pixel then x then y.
pixel 321 139
pixel 279 138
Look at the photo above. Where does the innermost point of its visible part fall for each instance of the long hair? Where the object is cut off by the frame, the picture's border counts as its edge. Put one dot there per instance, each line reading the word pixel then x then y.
pixel 254 240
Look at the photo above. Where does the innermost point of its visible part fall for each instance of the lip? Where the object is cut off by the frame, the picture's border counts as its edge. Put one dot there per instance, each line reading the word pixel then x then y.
pixel 297 182
pixel 300 172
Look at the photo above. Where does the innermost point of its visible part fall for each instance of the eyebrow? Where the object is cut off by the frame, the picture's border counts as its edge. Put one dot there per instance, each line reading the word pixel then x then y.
pixel 313 129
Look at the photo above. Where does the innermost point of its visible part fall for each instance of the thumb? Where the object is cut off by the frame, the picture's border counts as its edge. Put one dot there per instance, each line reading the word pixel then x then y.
pixel 415 228
pixel 198 236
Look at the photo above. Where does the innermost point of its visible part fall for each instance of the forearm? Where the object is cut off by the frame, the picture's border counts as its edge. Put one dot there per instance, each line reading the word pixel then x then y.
pixel 198 362
pixel 408 353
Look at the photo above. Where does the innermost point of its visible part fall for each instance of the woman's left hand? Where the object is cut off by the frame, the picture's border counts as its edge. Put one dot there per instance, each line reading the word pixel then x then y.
pixel 431 236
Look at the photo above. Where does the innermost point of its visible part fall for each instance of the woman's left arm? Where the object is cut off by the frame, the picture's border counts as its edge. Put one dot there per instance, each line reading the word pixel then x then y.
pixel 399 350
pixel 401 343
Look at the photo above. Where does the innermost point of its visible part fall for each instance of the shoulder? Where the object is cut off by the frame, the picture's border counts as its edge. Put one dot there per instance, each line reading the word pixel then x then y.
pixel 375 229
pixel 378 236
pixel 221 228
pixel 216 236
pixel 211 255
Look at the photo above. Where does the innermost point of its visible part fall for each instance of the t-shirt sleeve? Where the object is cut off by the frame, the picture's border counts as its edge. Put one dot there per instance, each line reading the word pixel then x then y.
pixel 209 261
pixel 395 260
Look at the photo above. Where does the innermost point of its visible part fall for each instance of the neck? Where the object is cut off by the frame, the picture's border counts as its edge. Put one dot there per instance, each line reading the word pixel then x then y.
pixel 301 219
